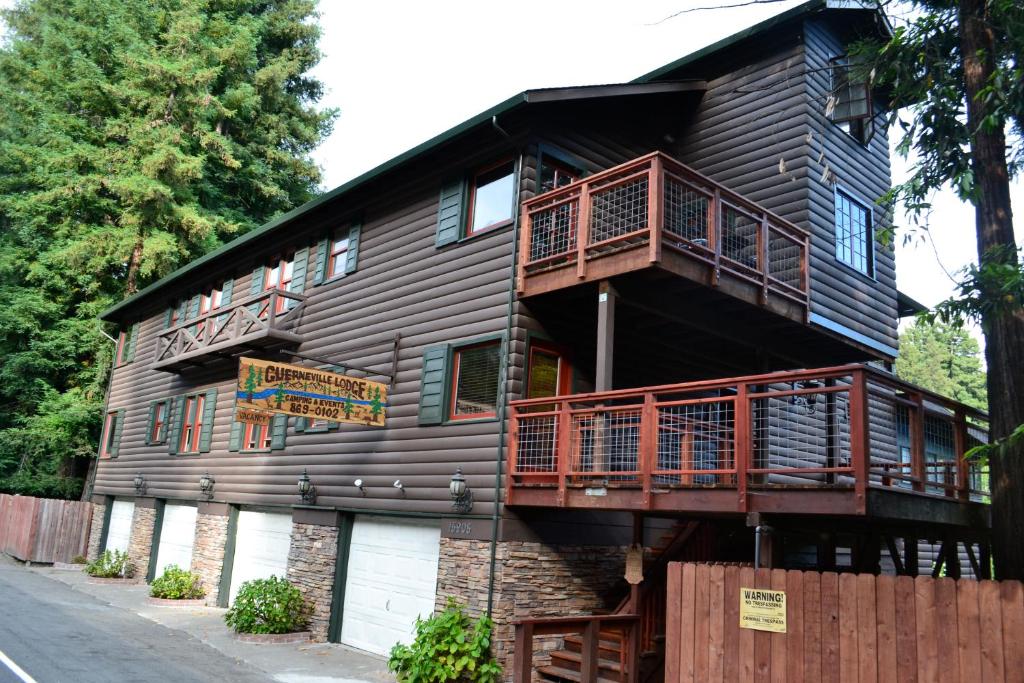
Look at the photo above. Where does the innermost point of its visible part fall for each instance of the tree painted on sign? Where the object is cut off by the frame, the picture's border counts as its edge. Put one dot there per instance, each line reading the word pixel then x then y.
pixel 346 407
pixel 251 382
pixel 279 395
pixel 376 406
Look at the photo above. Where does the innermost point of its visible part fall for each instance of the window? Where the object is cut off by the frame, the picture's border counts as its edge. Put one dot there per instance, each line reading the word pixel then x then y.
pixel 854 242
pixel 555 174
pixel 547 371
pixel 209 301
pixel 338 257
pixel 122 347
pixel 126 342
pixel 256 438
pixel 157 432
pixel 491 197
pixel 175 315
pixel 475 372
pixel 849 103
pixel 192 425
pixel 279 276
pixel 112 425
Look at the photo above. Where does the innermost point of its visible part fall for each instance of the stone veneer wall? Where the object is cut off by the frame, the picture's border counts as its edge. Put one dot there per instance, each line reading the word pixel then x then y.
pixel 141 543
pixel 208 552
pixel 311 564
pixel 96 531
pixel 532 580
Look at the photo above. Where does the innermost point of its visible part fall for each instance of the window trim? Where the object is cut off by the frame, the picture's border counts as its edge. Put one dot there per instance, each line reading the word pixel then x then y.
pixel 198 401
pixel 471 188
pixel 566 371
pixel 869 251
pixel 332 256
pixel 109 429
pixel 451 377
pixel 866 128
pixel 157 433
pixel 267 438
pixel 561 158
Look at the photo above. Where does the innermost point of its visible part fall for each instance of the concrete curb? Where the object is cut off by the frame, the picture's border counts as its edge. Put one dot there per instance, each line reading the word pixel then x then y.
pixel 98 580
pixel 167 602
pixel 272 638
pixel 67 567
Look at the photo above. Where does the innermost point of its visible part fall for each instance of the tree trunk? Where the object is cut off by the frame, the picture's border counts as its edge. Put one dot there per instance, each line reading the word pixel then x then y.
pixel 1004 329
pixel 132 285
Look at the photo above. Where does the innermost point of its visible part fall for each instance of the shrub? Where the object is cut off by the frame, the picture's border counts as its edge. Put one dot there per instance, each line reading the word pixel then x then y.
pixel 79 559
pixel 111 565
pixel 449 647
pixel 268 606
pixel 177 584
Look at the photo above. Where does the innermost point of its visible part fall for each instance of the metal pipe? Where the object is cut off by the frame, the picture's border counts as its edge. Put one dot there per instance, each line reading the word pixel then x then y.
pixel 494 122
pixel 757 547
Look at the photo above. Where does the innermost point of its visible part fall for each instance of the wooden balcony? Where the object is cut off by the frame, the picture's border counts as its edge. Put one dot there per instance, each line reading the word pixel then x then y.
pixel 263 321
pixel 847 441
pixel 655 212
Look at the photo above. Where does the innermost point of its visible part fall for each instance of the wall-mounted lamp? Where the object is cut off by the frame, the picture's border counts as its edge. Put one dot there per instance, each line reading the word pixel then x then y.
pixel 358 483
pixel 140 485
pixel 462 496
pixel 306 488
pixel 399 485
pixel 206 483
pixel 805 402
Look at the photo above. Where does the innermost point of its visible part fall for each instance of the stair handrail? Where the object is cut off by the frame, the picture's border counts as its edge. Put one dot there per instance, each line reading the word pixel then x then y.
pixel 590 628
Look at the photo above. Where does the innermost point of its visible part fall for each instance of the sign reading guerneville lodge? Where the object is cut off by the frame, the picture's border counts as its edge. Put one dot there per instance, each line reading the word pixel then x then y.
pixel 763 610
pixel 268 386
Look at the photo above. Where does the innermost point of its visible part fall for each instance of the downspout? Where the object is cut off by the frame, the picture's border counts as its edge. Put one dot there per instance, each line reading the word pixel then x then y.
pixel 90 478
pixel 503 404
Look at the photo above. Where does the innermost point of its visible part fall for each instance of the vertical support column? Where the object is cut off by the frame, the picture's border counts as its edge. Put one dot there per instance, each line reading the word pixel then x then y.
pixel 762 257
pixel 605 336
pixel 910 561
pixel 525 242
pixel 860 450
pixel 655 184
pixel 743 439
pixel 917 442
pixel 522 662
pixel 583 231
pixel 832 445
pixel 963 489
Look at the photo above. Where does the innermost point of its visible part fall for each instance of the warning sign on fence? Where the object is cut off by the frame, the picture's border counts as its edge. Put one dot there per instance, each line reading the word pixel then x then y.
pixel 763 610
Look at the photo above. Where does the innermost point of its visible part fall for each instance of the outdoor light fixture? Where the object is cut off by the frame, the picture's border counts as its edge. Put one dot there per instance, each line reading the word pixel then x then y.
pixel 399 485
pixel 206 483
pixel 462 496
pixel 140 484
pixel 306 488
pixel 358 483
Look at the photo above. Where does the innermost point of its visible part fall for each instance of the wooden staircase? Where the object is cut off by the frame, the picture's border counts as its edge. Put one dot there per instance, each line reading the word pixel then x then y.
pixel 648 602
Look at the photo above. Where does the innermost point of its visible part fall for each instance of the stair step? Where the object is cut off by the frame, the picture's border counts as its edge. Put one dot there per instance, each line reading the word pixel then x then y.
pixel 605 648
pixel 560 674
pixel 576 660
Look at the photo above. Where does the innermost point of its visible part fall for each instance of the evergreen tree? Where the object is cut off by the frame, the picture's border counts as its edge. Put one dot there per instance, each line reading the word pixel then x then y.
pixel 134 137
pixel 944 359
pixel 280 395
pixel 376 406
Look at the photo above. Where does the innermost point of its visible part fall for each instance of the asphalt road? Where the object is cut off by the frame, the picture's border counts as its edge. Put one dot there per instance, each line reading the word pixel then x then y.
pixel 57 634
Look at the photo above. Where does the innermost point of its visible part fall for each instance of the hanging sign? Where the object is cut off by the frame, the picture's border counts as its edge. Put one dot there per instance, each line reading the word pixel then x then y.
pixel 763 610
pixel 271 387
pixel 253 417
pixel 635 565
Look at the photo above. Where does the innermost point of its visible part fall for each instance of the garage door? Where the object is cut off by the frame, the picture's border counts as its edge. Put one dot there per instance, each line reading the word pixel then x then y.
pixel 177 534
pixel 119 533
pixel 261 547
pixel 391 579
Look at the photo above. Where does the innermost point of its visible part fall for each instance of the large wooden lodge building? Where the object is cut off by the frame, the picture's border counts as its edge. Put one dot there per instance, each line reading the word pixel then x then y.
pixel 655 313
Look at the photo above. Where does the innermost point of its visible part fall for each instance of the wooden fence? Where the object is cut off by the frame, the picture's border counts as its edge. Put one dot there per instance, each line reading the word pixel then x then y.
pixel 844 628
pixel 43 530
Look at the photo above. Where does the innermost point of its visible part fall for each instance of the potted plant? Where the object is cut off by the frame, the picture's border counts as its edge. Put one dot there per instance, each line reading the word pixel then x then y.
pixel 270 610
pixel 111 567
pixel 177 587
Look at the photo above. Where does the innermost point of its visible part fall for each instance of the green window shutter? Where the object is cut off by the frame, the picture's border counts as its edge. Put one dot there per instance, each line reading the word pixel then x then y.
pixel 300 425
pixel 299 267
pixel 182 310
pixel 115 444
pixel 432 385
pixel 333 425
pixel 168 314
pixel 352 257
pixel 209 413
pixel 193 307
pixel 235 442
pixel 256 284
pixel 449 212
pixel 320 269
pixel 226 290
pixel 278 429
pixel 176 418
pixel 133 340
pixel 150 422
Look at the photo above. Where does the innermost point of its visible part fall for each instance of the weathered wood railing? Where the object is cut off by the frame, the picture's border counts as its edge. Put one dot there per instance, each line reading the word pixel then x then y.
pixel 590 627
pixel 654 203
pixel 266 316
pixel 849 428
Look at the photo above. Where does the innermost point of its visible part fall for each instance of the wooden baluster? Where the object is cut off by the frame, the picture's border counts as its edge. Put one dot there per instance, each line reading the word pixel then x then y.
pixel 860 439
pixel 633 650
pixel 563 447
pixel 525 244
pixel 588 653
pixel 647 446
pixel 917 459
pixel 272 309
pixel 522 661
pixel 715 234
pixel 963 489
pixel 762 257
pixel 656 218
pixel 742 443
pixel 582 231
pixel 512 456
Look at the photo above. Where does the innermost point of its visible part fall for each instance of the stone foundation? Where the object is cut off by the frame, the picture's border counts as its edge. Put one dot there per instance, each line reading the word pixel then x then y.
pixel 531 580
pixel 208 552
pixel 99 512
pixel 141 543
pixel 311 563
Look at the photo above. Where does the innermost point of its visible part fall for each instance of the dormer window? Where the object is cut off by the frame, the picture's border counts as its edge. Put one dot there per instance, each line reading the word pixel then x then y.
pixel 849 103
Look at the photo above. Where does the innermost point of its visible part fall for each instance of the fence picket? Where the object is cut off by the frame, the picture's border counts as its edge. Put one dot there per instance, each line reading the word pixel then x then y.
pixel 991 618
pixel 1013 627
pixel 43 530
pixel 968 630
pixel 946 638
pixel 885 615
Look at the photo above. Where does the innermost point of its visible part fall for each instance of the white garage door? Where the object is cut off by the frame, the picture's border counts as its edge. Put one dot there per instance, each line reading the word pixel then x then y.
pixel 261 547
pixel 392 579
pixel 119 533
pixel 177 534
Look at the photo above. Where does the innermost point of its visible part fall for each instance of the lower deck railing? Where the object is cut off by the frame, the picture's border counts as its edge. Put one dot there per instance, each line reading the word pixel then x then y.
pixel 848 427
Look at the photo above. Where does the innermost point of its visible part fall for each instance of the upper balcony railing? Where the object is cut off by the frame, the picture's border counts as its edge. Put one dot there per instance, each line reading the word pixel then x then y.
pixel 262 320
pixel 650 207
pixel 747 444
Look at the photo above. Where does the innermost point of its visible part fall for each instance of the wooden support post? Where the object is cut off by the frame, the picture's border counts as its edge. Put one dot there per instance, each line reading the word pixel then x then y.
pixel 525 243
pixel 972 559
pixel 894 555
pixel 952 559
pixel 762 257
pixel 633 654
pixel 583 231
pixel 963 489
pixel 522 658
pixel 917 442
pixel 563 444
pixel 910 561
pixel 985 560
pixel 715 234
pixel 655 223
pixel 743 435
pixel 937 564
pixel 588 654
pixel 860 439
pixel 647 446
pixel 871 555
pixel 832 445
pixel 826 552
pixel 605 337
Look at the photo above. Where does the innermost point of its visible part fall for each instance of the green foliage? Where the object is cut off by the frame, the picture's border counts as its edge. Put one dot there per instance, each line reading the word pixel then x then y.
pixel 270 605
pixel 449 646
pixel 944 359
pixel 111 565
pixel 177 584
pixel 134 137
pixel 79 559
pixel 984 292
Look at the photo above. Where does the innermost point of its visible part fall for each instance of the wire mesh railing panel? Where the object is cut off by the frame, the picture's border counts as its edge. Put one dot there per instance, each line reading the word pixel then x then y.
pixel 889 439
pixel 618 210
pixel 739 237
pixel 978 481
pixel 696 441
pixel 553 231
pixel 605 446
pixel 536 442
pixel 785 259
pixel 940 458
pixel 686 212
pixel 797 433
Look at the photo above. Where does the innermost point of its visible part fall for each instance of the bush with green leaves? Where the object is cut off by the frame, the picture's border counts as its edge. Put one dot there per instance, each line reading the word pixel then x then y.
pixel 111 565
pixel 449 646
pixel 177 584
pixel 79 559
pixel 271 605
